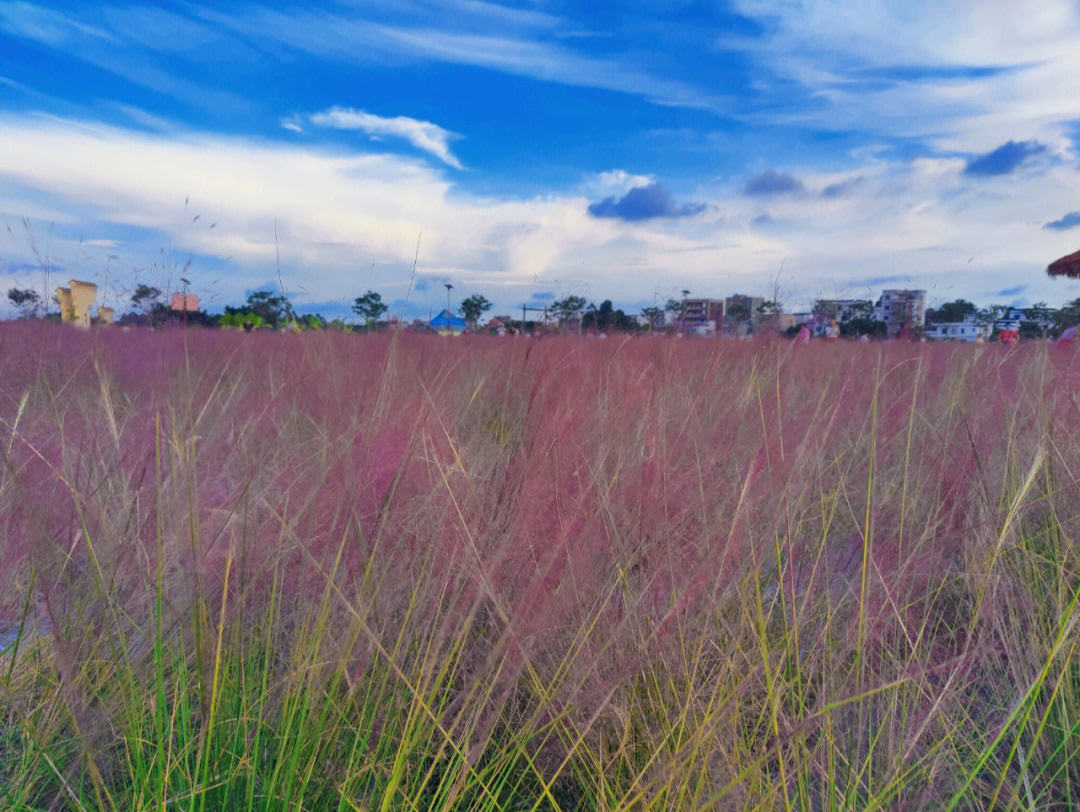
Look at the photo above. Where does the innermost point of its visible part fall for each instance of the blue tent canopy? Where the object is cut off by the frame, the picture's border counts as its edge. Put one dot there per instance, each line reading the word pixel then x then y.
pixel 447 322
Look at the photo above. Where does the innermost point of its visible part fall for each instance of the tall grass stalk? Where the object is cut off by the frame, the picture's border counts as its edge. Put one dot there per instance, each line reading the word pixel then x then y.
pixel 373 572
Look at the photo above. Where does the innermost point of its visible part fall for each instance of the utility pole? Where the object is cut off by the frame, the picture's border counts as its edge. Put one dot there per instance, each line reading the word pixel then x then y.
pixel 682 321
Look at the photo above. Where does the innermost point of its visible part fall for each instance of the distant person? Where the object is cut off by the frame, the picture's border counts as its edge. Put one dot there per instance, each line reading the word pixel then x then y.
pixel 832 330
pixel 803 336
pixel 1068 337
pixel 1008 337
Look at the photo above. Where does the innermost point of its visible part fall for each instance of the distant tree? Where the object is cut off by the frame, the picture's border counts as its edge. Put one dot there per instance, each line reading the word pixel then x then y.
pixel 369 307
pixel 25 300
pixel 675 307
pixel 1068 315
pixel 568 308
pixel 960 310
pixel 738 312
pixel 268 306
pixel 769 308
pixel 473 308
pixel 240 318
pixel 655 315
pixel 145 298
pixel 988 317
pixel 606 317
pixel 859 326
pixel 1038 319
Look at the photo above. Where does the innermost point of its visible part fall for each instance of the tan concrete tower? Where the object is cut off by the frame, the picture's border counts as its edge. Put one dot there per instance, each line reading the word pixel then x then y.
pixel 75 302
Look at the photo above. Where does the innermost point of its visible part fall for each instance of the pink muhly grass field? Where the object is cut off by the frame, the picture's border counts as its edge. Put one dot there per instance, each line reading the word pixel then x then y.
pixel 337 571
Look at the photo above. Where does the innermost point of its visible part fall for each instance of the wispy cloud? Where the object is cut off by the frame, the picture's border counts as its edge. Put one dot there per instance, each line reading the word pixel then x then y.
pixel 521 49
pixel 126 41
pixel 841 188
pixel 423 135
pixel 962 76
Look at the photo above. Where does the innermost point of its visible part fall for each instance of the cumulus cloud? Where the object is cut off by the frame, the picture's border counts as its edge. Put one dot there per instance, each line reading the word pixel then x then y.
pixel 613 183
pixel 644 203
pixel 1070 220
pixel 337 214
pixel 771 182
pixel 423 135
pixel 1004 160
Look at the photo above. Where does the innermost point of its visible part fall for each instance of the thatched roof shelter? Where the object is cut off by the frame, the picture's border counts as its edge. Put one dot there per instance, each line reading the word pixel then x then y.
pixel 1066 266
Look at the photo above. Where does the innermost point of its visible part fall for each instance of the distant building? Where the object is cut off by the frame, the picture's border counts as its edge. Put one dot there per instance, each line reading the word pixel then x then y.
pixel 742 311
pixel 1039 319
pixel 840 309
pixel 184 303
pixel 957 331
pixel 75 302
pixel 898 308
pixel 703 316
pixel 785 321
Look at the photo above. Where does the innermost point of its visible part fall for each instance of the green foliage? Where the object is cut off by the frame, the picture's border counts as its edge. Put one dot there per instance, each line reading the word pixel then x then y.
pixel 271 308
pixel 956 311
pixel 146 298
pixel 369 307
pixel 655 315
pixel 768 309
pixel 606 317
pixel 474 307
pixel 25 300
pixel 240 319
pixel 568 308
pixel 675 306
pixel 738 312
pixel 1068 315
pixel 990 315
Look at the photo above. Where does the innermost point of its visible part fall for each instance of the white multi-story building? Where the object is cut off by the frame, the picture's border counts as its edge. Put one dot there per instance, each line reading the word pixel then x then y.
pixel 901 307
pixel 957 331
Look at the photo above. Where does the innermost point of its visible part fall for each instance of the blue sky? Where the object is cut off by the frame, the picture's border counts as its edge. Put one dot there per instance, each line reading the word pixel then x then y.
pixel 811 148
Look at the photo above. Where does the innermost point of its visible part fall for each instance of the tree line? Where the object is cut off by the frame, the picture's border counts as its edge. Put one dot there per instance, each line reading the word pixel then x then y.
pixel 266 309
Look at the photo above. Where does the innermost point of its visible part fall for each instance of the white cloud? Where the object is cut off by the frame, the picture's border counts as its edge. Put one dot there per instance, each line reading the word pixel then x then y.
pixel 964 76
pixel 337 215
pixel 521 46
pixel 613 183
pixel 423 135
